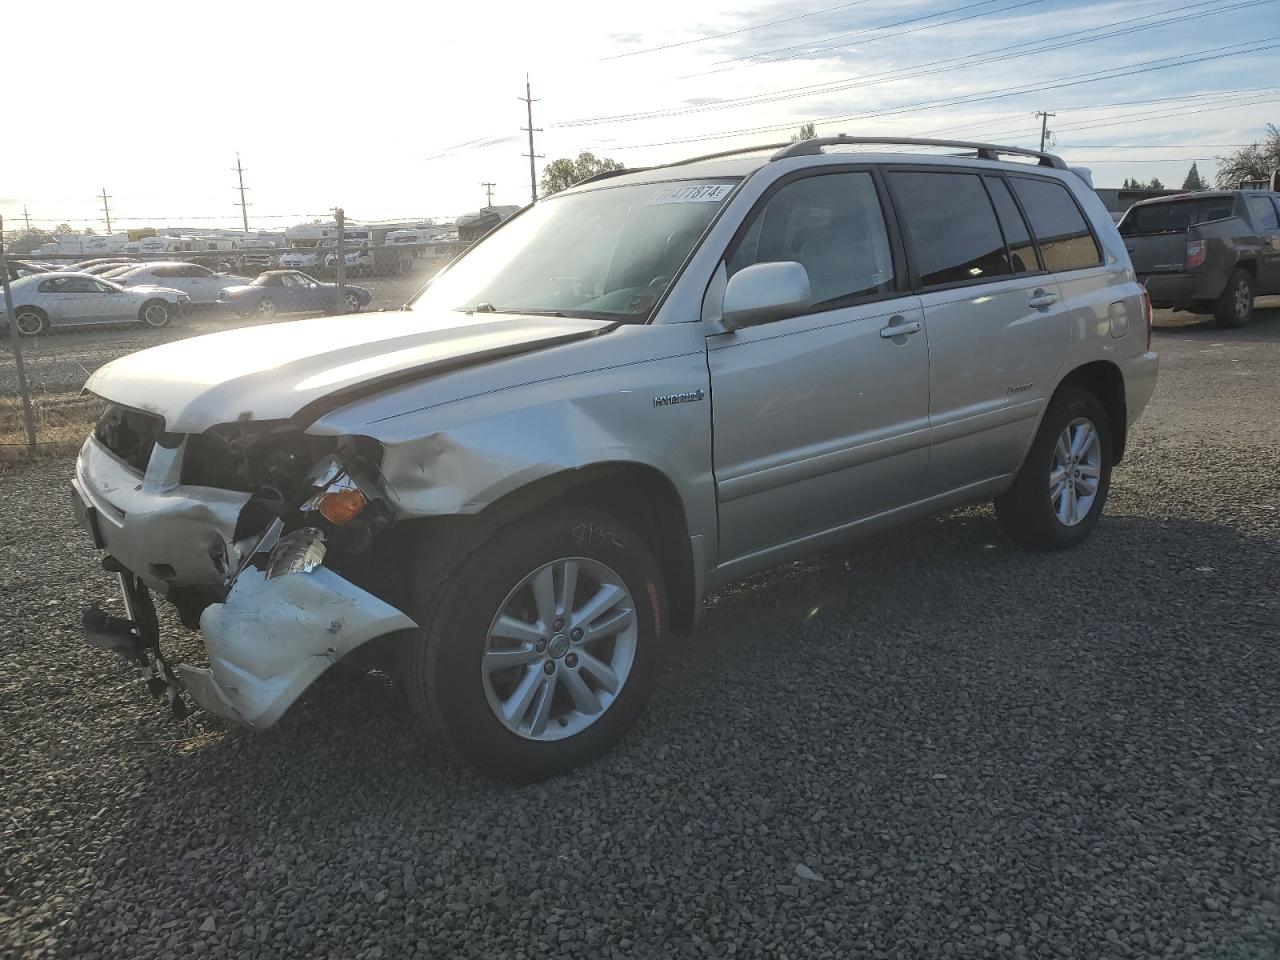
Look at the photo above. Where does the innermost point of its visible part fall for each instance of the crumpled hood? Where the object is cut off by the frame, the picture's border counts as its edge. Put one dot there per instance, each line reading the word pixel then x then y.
pixel 275 371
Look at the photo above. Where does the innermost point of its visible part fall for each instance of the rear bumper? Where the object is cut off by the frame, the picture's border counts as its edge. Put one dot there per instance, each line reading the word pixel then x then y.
pixel 1171 289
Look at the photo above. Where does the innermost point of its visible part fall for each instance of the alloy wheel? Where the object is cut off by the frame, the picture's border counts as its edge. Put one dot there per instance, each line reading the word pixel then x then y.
pixel 560 649
pixel 1244 298
pixel 1076 471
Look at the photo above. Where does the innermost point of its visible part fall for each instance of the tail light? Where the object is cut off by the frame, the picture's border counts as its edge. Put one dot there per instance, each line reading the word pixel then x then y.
pixel 1195 254
pixel 1146 314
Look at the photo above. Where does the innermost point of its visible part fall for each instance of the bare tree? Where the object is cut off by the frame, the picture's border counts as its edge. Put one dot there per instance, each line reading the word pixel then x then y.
pixel 1254 162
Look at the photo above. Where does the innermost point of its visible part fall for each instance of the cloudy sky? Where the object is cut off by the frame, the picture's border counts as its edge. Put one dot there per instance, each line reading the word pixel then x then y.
pixel 403 109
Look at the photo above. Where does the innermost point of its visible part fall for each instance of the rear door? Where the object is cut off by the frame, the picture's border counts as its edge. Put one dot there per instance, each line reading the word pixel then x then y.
pixel 820 419
pixel 1262 211
pixel 997 329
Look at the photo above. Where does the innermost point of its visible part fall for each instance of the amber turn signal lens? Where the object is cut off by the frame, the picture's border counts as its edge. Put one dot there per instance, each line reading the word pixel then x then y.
pixel 341 505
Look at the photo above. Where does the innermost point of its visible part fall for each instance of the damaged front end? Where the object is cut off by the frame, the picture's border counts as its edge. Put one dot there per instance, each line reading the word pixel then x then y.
pixel 260 535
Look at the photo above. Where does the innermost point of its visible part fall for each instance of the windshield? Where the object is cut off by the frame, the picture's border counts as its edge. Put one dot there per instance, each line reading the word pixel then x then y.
pixel 609 252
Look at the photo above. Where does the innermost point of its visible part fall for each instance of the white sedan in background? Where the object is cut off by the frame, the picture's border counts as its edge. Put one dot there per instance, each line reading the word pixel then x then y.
pixel 201 284
pixel 45 300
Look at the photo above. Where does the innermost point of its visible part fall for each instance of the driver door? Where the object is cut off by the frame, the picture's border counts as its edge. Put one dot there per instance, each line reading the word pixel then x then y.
pixel 820 420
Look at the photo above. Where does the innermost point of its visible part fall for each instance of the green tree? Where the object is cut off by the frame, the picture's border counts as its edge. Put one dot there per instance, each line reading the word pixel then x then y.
pixel 1155 184
pixel 564 173
pixel 1254 162
pixel 806 133
pixel 64 229
pixel 1193 181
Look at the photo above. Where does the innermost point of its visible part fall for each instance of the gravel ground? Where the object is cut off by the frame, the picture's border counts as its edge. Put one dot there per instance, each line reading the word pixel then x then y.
pixel 933 745
pixel 63 360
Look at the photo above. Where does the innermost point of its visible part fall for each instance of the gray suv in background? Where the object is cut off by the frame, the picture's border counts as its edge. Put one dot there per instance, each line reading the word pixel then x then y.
pixel 1208 252
pixel 636 391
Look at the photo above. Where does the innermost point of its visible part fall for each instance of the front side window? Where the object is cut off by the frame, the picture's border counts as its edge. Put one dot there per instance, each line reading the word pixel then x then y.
pixel 1059 226
pixel 951 226
pixel 832 225
pixel 609 252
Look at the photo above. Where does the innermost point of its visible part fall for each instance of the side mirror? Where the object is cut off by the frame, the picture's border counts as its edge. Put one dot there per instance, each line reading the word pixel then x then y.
pixel 765 292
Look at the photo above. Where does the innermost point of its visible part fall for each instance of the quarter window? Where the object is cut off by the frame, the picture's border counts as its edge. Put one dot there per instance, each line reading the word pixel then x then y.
pixel 832 224
pixel 1022 251
pixel 1060 227
pixel 1264 214
pixel 951 225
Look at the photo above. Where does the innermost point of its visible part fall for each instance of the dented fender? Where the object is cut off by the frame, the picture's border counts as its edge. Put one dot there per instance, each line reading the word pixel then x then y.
pixel 272 638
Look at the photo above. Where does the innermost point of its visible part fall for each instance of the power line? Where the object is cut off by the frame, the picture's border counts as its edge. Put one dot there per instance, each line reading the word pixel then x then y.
pixel 751 61
pixel 732 33
pixel 933 67
pixel 1073 80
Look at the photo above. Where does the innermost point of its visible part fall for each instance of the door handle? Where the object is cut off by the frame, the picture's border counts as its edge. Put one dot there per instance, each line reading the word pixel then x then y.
pixel 1042 299
pixel 898 327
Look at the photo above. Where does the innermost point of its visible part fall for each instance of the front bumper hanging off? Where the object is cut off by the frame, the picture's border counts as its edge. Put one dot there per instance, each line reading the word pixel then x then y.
pixel 275 632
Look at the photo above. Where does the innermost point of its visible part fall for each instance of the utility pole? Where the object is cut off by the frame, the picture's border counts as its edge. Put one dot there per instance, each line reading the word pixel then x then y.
pixel 1044 116
pixel 531 130
pixel 106 208
pixel 14 338
pixel 488 193
pixel 27 217
pixel 340 220
pixel 244 207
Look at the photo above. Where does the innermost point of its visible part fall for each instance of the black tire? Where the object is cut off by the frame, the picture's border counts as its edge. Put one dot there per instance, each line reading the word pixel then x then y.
pixel 1026 510
pixel 443 676
pixel 155 313
pixel 1234 307
pixel 31 322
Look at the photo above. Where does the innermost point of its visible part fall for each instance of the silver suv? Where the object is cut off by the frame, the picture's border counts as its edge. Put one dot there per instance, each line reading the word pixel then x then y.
pixel 510 493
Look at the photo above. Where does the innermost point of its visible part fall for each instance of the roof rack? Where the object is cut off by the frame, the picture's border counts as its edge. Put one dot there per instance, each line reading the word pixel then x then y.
pixel 606 174
pixel 983 151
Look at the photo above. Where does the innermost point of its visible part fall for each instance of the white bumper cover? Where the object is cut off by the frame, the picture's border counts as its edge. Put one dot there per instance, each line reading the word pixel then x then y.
pixel 272 638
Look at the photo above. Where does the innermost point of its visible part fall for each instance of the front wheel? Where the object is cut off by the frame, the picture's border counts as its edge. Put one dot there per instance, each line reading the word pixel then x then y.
pixel 155 313
pixel 267 307
pixel 1235 306
pixel 31 322
pixel 352 303
pixel 543 645
pixel 1059 493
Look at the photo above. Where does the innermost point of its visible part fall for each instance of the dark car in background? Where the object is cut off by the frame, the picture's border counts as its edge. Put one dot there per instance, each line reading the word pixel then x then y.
pixel 1207 252
pixel 292 291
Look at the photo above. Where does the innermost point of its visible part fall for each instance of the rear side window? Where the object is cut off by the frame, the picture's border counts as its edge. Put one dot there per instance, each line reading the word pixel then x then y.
pixel 833 225
pixel 951 226
pixel 1060 228
pixel 1175 216
pixel 1022 251
pixel 1264 214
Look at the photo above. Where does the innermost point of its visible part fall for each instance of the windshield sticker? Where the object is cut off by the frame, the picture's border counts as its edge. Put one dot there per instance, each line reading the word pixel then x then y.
pixel 691 193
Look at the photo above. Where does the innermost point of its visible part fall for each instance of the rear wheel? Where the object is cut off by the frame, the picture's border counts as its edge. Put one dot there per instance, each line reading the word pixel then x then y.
pixel 1062 487
pixel 31 322
pixel 1235 306
pixel 352 303
pixel 543 645
pixel 155 313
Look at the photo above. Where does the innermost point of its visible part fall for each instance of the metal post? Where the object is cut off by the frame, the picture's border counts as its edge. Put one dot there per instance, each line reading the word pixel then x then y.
pixel 341 219
pixel 244 207
pixel 106 209
pixel 11 318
